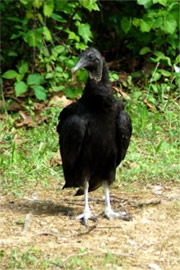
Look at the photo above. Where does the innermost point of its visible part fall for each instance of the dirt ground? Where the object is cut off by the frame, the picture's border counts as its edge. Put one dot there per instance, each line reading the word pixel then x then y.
pixel 151 240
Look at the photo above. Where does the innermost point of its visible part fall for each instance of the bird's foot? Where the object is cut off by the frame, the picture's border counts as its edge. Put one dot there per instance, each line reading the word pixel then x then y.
pixel 110 214
pixel 85 216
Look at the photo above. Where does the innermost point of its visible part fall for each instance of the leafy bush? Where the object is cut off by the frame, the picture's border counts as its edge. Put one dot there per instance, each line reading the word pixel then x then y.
pixel 40 47
pixel 44 34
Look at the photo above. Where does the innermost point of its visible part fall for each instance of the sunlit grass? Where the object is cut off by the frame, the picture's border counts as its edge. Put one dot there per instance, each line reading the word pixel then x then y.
pixel 26 157
pixel 153 155
pixel 27 154
pixel 33 258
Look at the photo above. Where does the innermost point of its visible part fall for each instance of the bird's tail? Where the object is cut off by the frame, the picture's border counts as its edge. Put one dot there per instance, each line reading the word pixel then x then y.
pixel 79 192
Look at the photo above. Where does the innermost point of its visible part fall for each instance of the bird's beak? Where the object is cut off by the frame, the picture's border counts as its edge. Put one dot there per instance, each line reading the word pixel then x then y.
pixel 80 64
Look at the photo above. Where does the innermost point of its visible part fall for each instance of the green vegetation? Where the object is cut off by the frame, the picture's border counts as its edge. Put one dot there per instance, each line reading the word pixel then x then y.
pixel 26 154
pixel 38 53
pixel 40 48
pixel 33 258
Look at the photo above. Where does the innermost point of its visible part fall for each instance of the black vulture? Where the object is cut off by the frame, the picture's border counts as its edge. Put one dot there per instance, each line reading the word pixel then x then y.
pixel 94 135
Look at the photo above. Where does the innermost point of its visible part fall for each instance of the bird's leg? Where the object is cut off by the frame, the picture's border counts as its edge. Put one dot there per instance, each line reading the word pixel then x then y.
pixel 108 212
pixel 87 212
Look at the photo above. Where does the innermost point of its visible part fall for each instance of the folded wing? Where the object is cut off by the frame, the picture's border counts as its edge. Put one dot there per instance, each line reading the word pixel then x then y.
pixel 124 131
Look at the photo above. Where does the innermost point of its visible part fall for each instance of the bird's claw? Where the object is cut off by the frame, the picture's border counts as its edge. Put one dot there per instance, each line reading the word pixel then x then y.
pixel 85 216
pixel 110 214
pixel 84 221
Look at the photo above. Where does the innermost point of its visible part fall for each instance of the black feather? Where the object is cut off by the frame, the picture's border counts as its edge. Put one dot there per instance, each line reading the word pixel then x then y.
pixel 95 131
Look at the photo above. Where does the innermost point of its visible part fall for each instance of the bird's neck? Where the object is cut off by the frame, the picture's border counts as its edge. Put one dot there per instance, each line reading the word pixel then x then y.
pixel 105 74
pixel 98 94
pixel 98 78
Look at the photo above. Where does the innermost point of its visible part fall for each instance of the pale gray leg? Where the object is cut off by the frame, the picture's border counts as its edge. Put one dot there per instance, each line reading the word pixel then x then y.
pixel 87 212
pixel 108 212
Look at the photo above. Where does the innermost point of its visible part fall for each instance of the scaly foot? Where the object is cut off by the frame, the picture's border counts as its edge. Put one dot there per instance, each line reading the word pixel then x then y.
pixel 85 216
pixel 110 214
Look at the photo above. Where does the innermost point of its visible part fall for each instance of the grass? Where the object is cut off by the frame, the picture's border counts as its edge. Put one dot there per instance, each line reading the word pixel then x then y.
pixel 33 258
pixel 27 155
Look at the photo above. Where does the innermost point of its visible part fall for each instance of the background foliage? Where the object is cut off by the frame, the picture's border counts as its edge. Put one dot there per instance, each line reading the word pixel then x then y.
pixel 40 48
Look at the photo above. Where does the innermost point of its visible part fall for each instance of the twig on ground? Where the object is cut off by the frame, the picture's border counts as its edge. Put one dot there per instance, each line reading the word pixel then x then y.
pixel 144 204
pixel 98 253
pixel 109 227
pixel 46 233
pixel 56 264
pixel 89 230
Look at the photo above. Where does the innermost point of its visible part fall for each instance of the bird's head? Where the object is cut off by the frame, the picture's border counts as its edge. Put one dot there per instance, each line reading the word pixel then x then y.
pixel 91 60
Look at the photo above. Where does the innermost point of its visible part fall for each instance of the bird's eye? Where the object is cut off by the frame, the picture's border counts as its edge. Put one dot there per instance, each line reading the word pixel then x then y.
pixel 90 56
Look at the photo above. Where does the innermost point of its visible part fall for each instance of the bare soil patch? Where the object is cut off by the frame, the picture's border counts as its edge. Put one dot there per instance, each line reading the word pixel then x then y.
pixel 151 240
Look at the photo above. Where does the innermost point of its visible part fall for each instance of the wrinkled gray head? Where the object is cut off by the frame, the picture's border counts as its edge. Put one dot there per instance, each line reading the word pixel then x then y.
pixel 91 60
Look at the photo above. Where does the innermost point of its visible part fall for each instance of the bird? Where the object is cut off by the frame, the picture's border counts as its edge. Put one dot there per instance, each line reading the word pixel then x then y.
pixel 94 135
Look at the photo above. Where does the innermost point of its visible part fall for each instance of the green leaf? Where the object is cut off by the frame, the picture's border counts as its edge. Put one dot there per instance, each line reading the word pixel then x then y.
pixel 165 72
pixel 136 74
pixel 177 60
pixel 72 35
pixel 157 22
pixel 20 88
pixel 80 46
pixel 162 2
pixel 48 7
pixel 145 3
pixel 58 49
pixel 49 75
pixel 145 26
pixel 62 58
pixel 37 3
pixel 29 14
pixel 14 36
pixel 10 74
pixel 60 4
pixel 89 4
pixel 70 63
pixel 156 76
pixel 58 18
pixel 34 37
pixel 36 78
pixel 144 50
pixel 82 76
pixel 39 92
pixel 65 75
pixel 113 76
pixel 19 77
pixel 85 32
pixel 178 82
pixel 125 24
pixel 47 33
pixel 155 88
pixel 136 22
pixel 40 17
pixel 160 56
pixel 57 88
pixel 159 146
pixel 24 2
pixel 170 24
pixel 23 68
pixel 72 92
pixel 12 53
